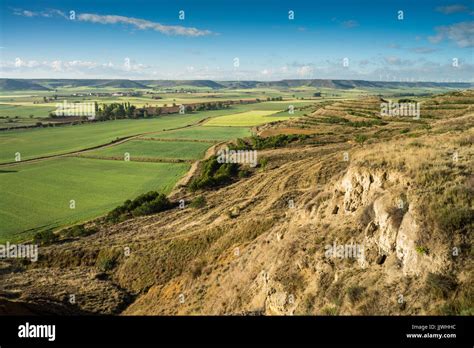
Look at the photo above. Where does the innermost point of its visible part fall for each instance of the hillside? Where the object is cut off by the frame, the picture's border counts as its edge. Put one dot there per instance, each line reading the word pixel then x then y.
pixel 20 85
pixel 401 189
pixel 175 83
pixel 45 84
pixel 121 84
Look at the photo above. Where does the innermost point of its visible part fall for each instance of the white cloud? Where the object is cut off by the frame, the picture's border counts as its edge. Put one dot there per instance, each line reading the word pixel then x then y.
pixel 141 24
pixel 46 13
pixel 305 71
pixel 461 33
pixel 450 9
pixel 423 50
pixel 390 68
pixel 393 60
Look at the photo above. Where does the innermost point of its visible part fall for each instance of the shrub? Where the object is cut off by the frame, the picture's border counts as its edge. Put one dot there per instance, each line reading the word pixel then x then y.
pixel 262 163
pixel 145 204
pixel 107 259
pixel 440 285
pixel 358 124
pixel 330 311
pixel 355 293
pixel 454 218
pixel 78 231
pixel 361 138
pixel 215 174
pixel 260 143
pixel 462 304
pixel 244 173
pixel 422 250
pixel 45 237
pixel 198 202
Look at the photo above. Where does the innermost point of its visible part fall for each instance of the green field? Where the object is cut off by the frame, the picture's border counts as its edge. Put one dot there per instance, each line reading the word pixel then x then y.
pixel 36 196
pixel 204 133
pixel 37 142
pixel 25 111
pixel 246 119
pixel 185 150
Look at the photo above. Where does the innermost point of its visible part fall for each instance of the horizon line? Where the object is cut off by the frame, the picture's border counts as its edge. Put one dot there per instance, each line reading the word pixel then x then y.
pixel 216 80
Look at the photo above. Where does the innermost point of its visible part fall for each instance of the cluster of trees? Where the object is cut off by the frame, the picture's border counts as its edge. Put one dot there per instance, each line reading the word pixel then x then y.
pixel 274 98
pixel 212 106
pixel 125 110
pixel 145 204
pixel 115 111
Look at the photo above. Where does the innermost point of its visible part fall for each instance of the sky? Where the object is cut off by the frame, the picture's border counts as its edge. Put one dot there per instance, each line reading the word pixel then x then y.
pixel 389 40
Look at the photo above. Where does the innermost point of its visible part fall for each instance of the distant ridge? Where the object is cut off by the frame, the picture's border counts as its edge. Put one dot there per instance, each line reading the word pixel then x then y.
pixel 122 84
pixel 20 85
pixel 48 84
pixel 174 83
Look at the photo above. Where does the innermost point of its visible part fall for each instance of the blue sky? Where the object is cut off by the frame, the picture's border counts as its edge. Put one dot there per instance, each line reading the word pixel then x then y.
pixel 147 39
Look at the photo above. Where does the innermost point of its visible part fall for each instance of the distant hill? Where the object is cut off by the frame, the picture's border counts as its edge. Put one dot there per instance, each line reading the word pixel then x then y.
pixel 94 83
pixel 240 84
pixel 20 85
pixel 350 84
pixel 121 84
pixel 175 83
pixel 48 84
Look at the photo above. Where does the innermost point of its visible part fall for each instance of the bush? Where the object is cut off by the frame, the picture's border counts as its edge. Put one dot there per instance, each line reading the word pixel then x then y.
pixel 439 285
pixel 145 204
pixel 260 143
pixel 107 259
pixel 215 174
pixel 422 250
pixel 78 231
pixel 45 237
pixel 455 218
pixel 355 293
pixel 358 124
pixel 361 138
pixel 462 304
pixel 198 202
pixel 262 163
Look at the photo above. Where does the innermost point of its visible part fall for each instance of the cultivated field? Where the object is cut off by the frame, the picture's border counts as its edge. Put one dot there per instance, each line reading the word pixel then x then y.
pixel 151 149
pixel 101 164
pixel 36 196
pixel 246 119
pixel 213 134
